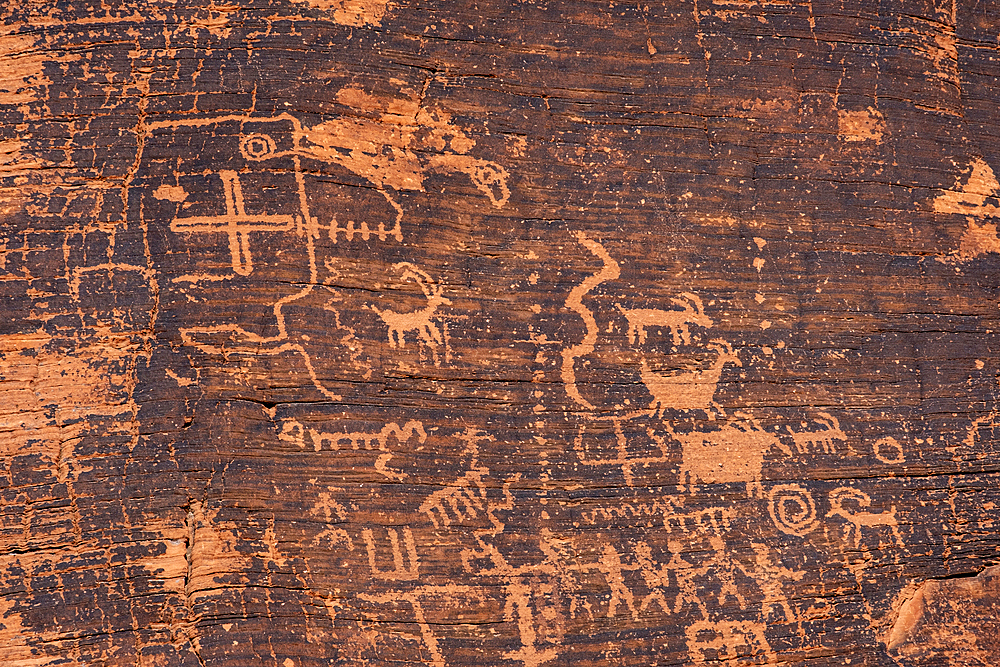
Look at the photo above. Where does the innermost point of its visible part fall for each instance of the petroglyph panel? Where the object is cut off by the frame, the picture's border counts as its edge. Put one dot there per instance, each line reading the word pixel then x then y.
pixel 354 332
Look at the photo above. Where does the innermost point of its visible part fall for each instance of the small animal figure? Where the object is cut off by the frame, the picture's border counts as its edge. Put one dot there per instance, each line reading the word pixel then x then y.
pixel 418 321
pixel 692 312
pixel 693 390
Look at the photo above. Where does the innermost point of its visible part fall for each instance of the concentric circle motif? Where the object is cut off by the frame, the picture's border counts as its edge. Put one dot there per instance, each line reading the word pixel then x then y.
pixel 257 146
pixel 792 509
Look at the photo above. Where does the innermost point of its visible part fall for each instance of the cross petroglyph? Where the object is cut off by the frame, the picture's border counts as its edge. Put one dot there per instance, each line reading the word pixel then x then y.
pixel 236 223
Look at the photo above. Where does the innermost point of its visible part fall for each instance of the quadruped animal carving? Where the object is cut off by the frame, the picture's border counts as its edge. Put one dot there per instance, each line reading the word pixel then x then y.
pixel 465 499
pixel 734 452
pixel 824 439
pixel 850 505
pixel 692 312
pixel 693 390
pixel 417 321
pixel 685 391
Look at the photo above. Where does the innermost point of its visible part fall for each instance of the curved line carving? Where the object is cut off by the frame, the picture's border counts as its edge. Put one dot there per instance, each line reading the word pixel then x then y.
pixel 574 302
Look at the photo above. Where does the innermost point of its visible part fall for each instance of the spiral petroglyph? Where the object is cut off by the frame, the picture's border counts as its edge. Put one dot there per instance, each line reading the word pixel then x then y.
pixel 792 509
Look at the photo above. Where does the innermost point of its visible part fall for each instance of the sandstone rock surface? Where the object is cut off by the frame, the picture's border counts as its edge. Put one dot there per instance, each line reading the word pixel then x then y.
pixel 367 332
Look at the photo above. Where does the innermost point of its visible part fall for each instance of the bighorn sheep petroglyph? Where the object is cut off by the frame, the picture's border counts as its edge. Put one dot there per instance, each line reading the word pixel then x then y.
pixel 692 390
pixel 418 321
pixel 692 312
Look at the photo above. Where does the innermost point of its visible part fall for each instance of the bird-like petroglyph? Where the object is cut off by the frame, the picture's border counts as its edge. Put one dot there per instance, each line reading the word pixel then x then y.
pixel 218 192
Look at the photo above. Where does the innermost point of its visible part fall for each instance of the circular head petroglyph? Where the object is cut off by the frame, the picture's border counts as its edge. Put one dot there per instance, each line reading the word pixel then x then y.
pixel 792 509
pixel 845 493
pixel 883 444
pixel 257 146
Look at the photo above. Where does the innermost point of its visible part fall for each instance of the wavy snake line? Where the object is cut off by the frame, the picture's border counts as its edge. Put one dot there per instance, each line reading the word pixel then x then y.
pixel 574 302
